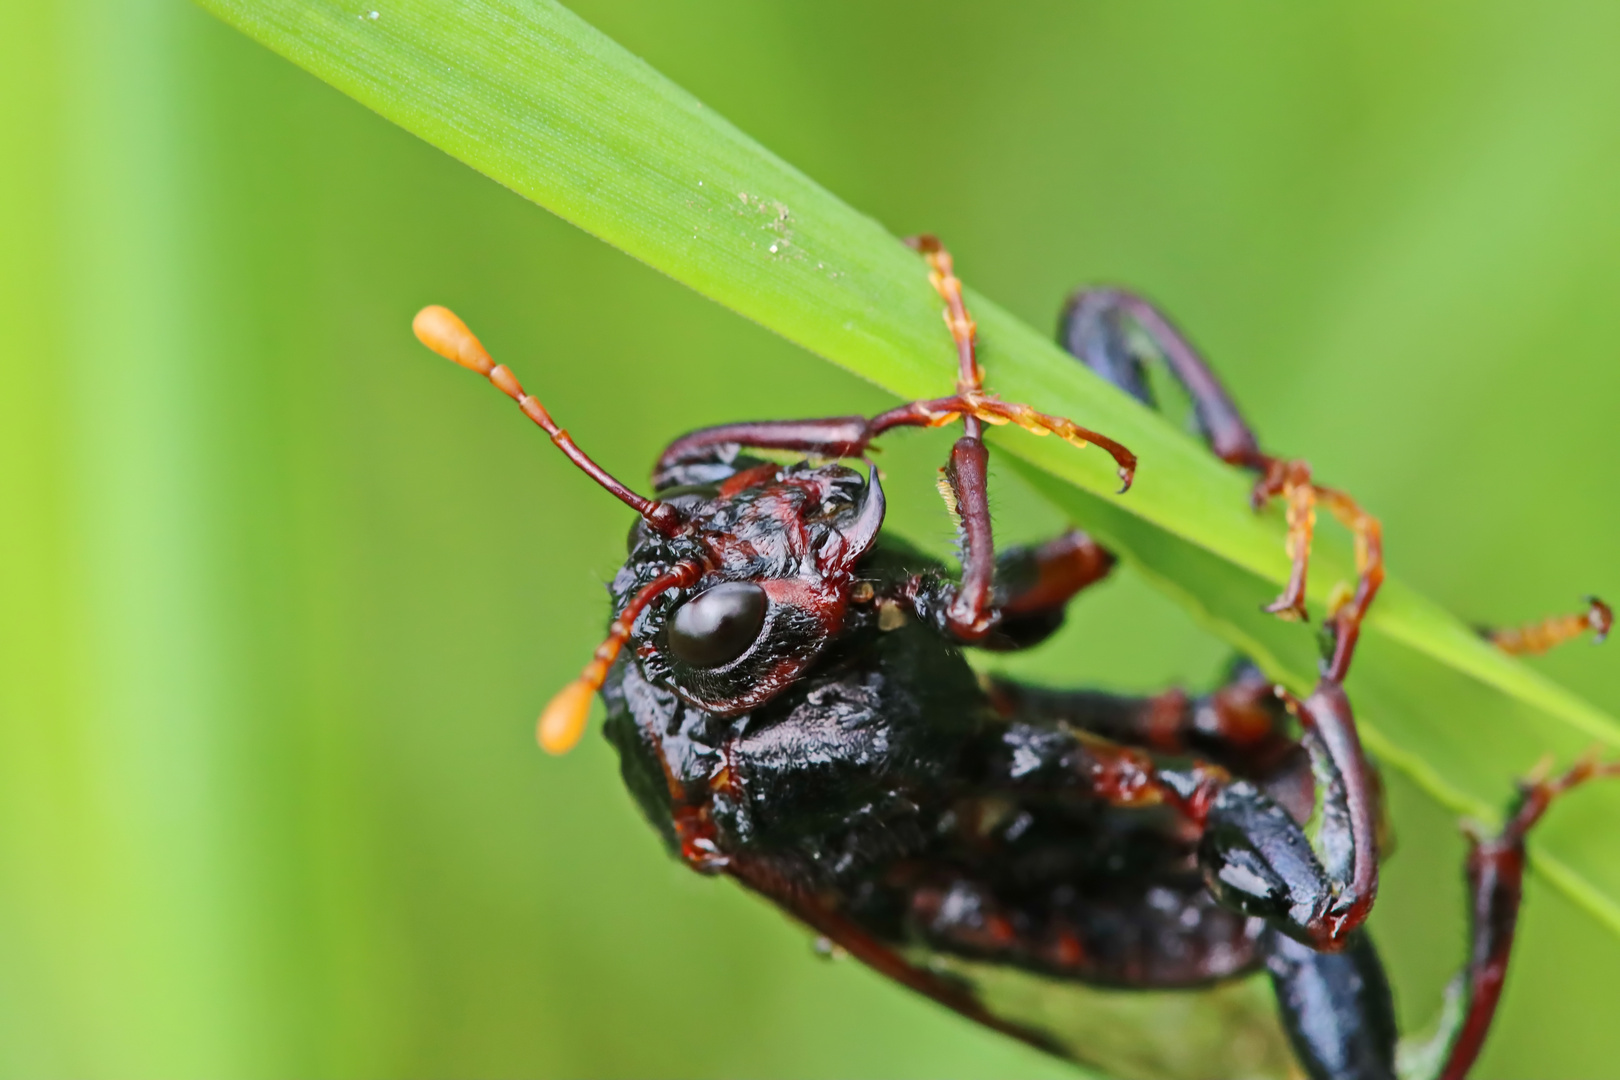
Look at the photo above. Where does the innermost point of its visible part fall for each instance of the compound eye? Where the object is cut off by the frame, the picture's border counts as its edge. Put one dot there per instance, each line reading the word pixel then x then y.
pixel 718 625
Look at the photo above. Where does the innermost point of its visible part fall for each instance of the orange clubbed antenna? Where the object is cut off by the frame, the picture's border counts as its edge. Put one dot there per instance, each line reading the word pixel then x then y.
pixel 440 330
pixel 563 721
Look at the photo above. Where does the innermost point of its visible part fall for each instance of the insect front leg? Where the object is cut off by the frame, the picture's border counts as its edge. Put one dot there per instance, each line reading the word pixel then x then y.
pixel 965 610
pixel 971 609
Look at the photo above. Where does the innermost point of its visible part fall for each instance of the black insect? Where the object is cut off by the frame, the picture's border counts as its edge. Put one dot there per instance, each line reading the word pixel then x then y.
pixel 794 710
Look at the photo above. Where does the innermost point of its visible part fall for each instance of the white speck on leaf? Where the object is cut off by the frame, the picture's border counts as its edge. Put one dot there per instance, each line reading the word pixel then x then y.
pixel 371 15
pixel 773 249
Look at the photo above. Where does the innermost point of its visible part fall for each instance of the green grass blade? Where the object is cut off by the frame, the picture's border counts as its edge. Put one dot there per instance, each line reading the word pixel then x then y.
pixel 532 96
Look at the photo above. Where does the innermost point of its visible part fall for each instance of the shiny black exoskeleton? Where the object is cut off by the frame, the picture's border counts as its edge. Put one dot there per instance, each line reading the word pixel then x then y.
pixel 787 691
pixel 894 800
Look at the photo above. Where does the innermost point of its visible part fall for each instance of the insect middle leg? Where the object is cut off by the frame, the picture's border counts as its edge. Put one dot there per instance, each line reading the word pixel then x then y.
pixel 1116 333
pixel 1097 328
pixel 1242 725
pixel 1253 851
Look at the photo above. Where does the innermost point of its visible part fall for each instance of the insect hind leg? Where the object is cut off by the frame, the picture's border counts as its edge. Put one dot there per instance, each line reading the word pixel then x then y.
pixel 1495 874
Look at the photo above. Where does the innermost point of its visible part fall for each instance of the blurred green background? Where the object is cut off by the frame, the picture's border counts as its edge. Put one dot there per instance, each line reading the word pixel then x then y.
pixel 280 592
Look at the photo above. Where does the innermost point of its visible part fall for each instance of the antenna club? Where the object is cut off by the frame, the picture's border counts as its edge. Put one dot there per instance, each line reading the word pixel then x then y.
pixel 563 721
pixel 440 330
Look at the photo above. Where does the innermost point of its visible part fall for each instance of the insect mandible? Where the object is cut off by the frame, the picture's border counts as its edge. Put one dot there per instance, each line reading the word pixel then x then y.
pixel 786 690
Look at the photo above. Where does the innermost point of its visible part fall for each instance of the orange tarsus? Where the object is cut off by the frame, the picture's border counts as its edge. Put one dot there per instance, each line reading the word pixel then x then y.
pixel 964 331
pixel 1538 637
pixel 1292 480
pixel 971 404
pixel 1369 537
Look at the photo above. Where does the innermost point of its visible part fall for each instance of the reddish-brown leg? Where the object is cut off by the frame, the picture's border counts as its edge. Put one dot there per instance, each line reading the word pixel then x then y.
pixel 1496 887
pixel 1241 726
pixel 1050 743
pixel 968 613
pixel 1057 570
pixel 1023 759
pixel 1291 480
pixel 1350 809
pixel 1252 851
pixel 1096 327
pixel 852 436
pixel 966 610
pixel 1348 612
pixel 1537 638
